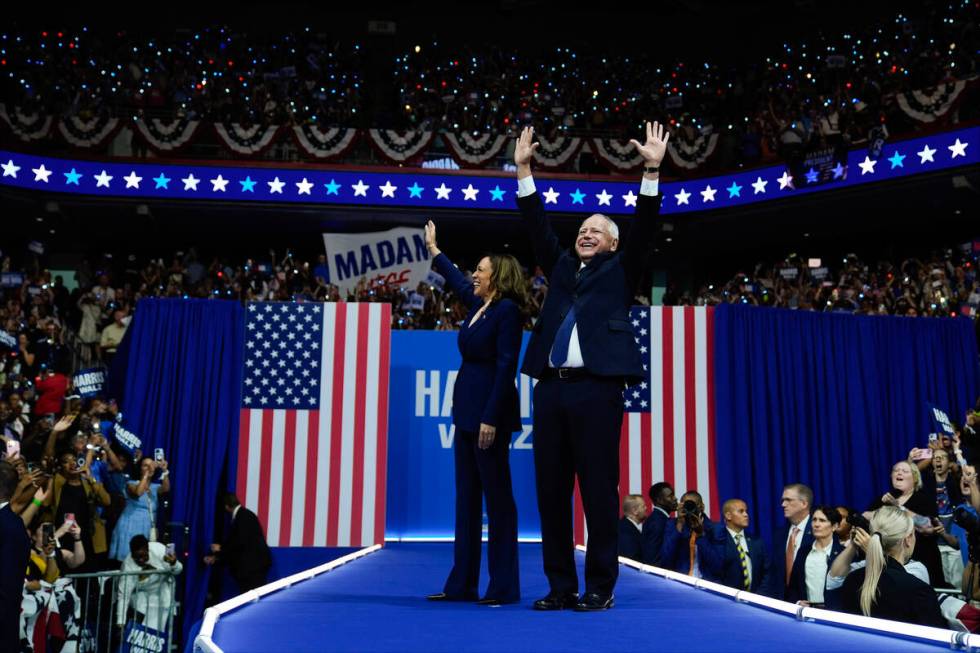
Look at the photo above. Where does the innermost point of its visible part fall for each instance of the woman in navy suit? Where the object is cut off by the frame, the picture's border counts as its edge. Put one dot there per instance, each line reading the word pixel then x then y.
pixel 486 412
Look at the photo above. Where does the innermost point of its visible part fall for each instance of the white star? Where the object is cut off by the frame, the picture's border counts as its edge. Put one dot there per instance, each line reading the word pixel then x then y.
pixel 303 187
pixel 683 197
pixel 132 181
pixel 759 185
pixel 9 169
pixel 219 183
pixel 360 189
pixel 603 198
pixel 551 196
pixel 190 182
pixel 628 403
pixel 275 186
pixel 442 192
pixel 102 180
pixel 42 173
pixel 867 165
pixel 388 190
pixel 708 194
pixel 469 193
pixel 629 199
pixel 786 181
pixel 248 400
pixel 957 149
pixel 926 154
pixel 643 404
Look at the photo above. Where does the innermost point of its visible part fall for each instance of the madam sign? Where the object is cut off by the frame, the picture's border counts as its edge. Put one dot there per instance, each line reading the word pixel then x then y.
pixel 394 257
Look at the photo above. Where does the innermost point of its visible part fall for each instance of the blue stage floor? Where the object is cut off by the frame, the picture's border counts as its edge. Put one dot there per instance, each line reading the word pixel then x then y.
pixel 377 604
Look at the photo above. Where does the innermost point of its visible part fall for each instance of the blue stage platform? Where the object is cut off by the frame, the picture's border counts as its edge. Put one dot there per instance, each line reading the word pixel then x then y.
pixel 377 604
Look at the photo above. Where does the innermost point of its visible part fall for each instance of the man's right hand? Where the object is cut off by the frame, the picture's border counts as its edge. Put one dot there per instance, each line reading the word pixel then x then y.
pixel 209 560
pixel 524 152
pixel 215 548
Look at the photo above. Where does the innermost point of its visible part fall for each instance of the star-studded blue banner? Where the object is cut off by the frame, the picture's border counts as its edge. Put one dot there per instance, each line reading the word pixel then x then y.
pixel 417 189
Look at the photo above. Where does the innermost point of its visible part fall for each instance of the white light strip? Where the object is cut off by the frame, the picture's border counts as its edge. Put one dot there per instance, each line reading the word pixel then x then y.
pixel 449 538
pixel 841 619
pixel 204 642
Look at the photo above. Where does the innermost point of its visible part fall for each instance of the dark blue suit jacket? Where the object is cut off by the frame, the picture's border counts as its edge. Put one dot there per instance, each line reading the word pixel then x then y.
pixel 676 554
pixel 796 590
pixel 485 390
pixel 629 540
pixel 601 294
pixel 779 556
pixel 15 551
pixel 729 569
pixel 653 536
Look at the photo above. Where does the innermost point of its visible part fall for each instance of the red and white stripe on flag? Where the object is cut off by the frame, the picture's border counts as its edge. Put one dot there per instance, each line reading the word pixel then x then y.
pixel 312 455
pixel 672 437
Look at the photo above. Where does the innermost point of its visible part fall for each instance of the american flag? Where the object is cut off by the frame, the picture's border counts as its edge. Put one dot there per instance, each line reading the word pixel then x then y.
pixel 314 420
pixel 669 424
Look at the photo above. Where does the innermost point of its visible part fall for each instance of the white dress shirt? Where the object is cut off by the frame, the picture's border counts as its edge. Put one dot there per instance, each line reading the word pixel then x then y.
pixel 815 572
pixel 740 535
pixel 525 187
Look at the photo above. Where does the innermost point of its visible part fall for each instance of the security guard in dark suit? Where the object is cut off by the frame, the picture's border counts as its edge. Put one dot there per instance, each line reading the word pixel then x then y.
pixel 582 351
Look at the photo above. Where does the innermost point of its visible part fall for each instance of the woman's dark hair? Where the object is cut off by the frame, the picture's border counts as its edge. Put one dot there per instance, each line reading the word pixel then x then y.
pixel 508 281
pixel 830 512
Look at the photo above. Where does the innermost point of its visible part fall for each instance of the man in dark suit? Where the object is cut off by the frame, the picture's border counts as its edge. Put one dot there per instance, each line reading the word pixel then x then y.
pixel 244 550
pixel 688 547
pixel 742 559
pixel 664 503
pixel 630 527
pixel 797 501
pixel 15 551
pixel 582 351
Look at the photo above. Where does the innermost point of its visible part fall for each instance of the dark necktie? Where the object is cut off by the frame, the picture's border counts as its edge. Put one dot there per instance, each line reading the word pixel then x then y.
pixel 559 351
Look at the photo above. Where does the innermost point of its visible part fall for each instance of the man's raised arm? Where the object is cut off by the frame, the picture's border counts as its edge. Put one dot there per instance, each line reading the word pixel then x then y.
pixel 643 226
pixel 543 239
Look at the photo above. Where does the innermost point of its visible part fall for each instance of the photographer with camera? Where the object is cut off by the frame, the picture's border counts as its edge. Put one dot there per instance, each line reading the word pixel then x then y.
pixel 686 548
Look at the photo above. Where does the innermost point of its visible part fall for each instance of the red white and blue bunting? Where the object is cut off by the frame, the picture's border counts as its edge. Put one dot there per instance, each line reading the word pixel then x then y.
pixel 167 137
pixel 474 150
pixel 930 107
pixel 619 155
pixel 26 127
pixel 399 147
pixel 324 144
pixel 558 152
pixel 247 141
pixel 91 133
pixel 690 155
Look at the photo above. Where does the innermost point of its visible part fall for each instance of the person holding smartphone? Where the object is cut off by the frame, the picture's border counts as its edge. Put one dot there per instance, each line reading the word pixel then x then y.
pixel 486 412
pixel 142 501
pixel 76 492
pixel 907 493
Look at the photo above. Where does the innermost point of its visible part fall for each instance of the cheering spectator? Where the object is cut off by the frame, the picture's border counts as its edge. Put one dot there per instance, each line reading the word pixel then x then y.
pixel 142 501
pixel 76 493
pixel 51 386
pixel 631 527
pixel 150 596
pixel 112 335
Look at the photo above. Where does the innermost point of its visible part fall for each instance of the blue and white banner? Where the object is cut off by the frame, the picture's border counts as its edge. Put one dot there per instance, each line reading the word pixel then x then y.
pixel 420 189
pixel 421 490
pixel 90 382
pixel 394 257
pixel 943 425
pixel 138 638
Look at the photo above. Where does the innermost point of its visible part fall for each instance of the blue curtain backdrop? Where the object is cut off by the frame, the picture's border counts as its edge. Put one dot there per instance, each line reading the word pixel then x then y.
pixel 830 400
pixel 178 376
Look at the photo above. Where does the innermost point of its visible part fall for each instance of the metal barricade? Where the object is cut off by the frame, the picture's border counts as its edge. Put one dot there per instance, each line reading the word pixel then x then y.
pixel 140 606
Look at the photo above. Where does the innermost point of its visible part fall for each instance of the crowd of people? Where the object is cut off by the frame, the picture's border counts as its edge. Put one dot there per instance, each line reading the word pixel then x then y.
pixel 885 559
pixel 943 283
pixel 830 91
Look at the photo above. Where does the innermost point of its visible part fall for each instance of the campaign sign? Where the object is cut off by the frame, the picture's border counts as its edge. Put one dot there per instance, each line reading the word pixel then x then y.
pixel 421 482
pixel 7 340
pixel 943 425
pixel 137 638
pixel 127 438
pixel 396 257
pixel 90 382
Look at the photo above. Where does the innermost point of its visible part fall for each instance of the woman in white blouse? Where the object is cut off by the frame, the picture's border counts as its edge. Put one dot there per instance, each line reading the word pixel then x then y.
pixel 808 580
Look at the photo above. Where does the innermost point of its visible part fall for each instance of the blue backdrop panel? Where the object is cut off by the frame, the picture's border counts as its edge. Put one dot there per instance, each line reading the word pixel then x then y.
pixel 421 491
pixel 183 362
pixel 830 400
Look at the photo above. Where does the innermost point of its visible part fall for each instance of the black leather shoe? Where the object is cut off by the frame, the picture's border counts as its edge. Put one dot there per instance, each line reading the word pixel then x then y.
pixel 489 602
pixel 556 601
pixel 593 602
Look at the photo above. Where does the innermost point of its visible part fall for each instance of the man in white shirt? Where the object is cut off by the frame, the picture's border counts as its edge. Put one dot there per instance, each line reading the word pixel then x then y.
pixel 583 352
pixel 797 501
pixel 151 596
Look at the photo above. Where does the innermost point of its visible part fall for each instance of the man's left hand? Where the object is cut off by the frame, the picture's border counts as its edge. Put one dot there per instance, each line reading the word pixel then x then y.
pixel 487 435
pixel 656 144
